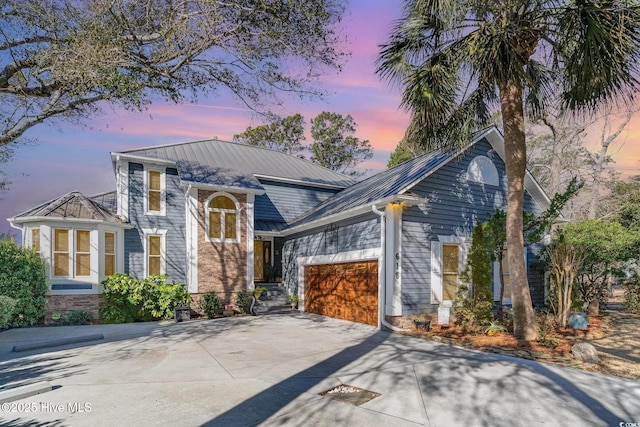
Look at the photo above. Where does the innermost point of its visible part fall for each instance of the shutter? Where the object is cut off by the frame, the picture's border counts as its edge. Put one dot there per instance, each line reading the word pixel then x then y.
pixel 436 272
pixel 496 281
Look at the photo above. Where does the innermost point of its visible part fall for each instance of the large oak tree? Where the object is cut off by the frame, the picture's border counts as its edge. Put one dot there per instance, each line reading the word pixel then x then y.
pixel 65 58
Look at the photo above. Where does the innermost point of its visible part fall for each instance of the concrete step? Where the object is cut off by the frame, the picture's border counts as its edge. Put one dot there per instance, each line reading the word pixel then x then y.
pixel 269 307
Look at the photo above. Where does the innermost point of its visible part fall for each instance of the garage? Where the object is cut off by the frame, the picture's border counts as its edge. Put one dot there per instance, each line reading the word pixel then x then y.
pixel 347 291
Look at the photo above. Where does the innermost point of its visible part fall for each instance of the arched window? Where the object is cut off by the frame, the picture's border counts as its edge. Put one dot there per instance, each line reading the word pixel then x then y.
pixel 483 171
pixel 223 218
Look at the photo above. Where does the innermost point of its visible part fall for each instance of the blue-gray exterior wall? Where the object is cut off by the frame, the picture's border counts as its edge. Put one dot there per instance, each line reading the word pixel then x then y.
pixel 173 222
pixel 453 207
pixel 284 202
pixel 357 233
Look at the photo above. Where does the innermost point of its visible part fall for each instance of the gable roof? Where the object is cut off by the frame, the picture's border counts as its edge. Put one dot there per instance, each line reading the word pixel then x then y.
pixel 71 206
pixel 392 184
pixel 217 162
pixel 377 187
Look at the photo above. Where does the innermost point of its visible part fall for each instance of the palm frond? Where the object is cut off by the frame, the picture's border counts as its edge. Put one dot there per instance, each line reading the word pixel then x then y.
pixel 598 44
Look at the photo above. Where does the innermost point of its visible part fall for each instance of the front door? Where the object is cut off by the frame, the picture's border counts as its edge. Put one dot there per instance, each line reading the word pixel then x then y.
pixel 258 260
pixel 262 260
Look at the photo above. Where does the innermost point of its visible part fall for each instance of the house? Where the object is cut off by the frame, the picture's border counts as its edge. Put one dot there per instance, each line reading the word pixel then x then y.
pixel 221 216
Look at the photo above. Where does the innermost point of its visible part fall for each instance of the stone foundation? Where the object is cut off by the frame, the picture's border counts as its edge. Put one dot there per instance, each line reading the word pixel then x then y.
pixel 406 322
pixel 65 304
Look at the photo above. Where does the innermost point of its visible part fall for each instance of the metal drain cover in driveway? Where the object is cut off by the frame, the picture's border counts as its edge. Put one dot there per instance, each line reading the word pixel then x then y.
pixel 350 394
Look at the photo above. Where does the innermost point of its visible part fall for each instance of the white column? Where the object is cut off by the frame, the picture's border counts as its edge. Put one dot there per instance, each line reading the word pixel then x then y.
pixel 191 227
pixel 250 236
pixel 393 265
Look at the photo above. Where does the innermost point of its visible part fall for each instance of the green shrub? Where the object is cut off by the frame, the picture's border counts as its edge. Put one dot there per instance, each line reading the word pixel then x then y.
pixel 7 305
pixel 129 300
pixel 474 298
pixel 79 317
pixel 632 294
pixel 211 304
pixel 23 277
pixel 244 301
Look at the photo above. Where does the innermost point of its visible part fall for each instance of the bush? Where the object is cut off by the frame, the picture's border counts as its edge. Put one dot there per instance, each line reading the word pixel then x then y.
pixel 79 317
pixel 130 300
pixel 474 298
pixel 244 301
pixel 632 294
pixel 7 306
pixel 211 304
pixel 24 279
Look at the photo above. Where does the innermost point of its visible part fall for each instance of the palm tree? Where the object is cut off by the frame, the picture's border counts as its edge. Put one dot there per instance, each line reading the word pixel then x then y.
pixel 458 60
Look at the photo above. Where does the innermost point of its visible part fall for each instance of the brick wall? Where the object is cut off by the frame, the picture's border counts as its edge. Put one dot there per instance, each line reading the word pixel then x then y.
pixel 65 304
pixel 222 267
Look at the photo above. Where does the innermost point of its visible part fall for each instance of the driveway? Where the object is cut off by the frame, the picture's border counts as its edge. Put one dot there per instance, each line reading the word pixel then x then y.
pixel 269 370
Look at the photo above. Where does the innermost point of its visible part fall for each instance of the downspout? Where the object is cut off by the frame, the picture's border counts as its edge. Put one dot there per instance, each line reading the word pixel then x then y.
pixel 382 292
pixel 21 232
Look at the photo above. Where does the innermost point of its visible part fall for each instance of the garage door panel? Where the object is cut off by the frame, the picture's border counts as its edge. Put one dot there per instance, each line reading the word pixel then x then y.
pixel 346 291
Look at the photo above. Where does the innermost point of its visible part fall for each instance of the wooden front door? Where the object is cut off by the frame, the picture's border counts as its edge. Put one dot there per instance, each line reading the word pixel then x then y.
pixel 262 260
pixel 344 291
pixel 258 260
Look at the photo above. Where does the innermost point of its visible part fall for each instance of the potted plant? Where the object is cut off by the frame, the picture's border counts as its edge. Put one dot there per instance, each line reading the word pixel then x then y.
pixel 294 299
pixel 423 323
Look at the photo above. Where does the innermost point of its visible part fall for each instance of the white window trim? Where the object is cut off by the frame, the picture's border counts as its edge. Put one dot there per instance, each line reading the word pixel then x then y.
pixel 436 266
pixel 75 253
pixel 163 190
pixel 163 253
pixel 103 251
pixel 222 218
pixel 29 237
pixel 93 255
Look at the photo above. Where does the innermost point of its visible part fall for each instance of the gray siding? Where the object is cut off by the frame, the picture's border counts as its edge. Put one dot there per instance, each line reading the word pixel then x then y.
pixel 453 207
pixel 173 223
pixel 284 202
pixel 354 234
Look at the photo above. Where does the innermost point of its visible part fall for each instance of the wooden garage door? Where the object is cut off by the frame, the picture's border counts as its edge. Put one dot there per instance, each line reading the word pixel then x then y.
pixel 344 291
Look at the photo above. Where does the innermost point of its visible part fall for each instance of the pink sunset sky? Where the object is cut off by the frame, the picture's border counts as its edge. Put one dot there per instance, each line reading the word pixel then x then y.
pixel 69 157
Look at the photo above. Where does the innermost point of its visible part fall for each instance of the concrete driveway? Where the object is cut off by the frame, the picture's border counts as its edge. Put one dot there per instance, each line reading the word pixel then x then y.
pixel 269 370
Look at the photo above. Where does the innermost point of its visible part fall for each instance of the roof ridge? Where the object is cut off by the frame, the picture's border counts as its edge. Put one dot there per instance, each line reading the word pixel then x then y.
pixel 248 146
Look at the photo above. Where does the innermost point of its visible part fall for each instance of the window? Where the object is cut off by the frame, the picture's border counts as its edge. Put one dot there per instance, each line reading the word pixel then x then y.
pixel 83 253
pixel 154 201
pixel 450 271
pixel 109 253
pixel 155 192
pixel 154 255
pixel 35 238
pixel 223 219
pixel 60 252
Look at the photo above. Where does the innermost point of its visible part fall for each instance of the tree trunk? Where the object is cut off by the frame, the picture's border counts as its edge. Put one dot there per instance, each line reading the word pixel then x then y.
pixel 524 325
pixel 501 272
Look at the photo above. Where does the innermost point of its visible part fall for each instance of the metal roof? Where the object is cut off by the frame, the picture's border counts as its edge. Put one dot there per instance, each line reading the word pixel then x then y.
pixel 108 200
pixel 400 179
pixel 73 205
pixel 268 226
pixel 242 161
pixel 377 187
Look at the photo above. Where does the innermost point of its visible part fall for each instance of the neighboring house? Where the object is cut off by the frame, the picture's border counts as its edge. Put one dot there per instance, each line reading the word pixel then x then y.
pixel 220 216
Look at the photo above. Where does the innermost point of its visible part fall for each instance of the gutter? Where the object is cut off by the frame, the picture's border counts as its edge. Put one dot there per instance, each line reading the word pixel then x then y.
pixel 358 210
pixel 382 291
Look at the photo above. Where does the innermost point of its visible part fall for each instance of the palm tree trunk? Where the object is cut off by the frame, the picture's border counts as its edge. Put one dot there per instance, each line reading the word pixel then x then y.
pixel 524 326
